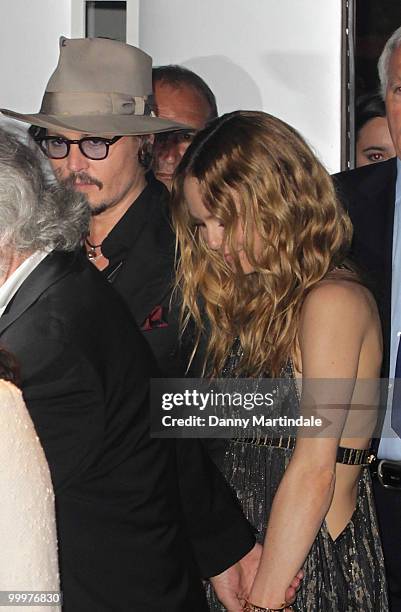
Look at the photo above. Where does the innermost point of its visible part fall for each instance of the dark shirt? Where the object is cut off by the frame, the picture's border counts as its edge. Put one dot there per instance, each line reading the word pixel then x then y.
pixel 140 249
pixel 148 211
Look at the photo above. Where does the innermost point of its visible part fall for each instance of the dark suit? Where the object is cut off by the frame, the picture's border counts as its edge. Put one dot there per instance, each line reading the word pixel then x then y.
pixel 85 371
pixel 368 193
pixel 140 249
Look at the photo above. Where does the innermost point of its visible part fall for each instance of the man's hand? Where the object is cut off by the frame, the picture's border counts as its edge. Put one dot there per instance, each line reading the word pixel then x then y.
pixel 233 586
pixel 227 586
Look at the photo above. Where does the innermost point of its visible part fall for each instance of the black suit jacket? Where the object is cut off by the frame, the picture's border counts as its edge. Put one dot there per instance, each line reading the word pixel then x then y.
pixel 368 193
pixel 85 371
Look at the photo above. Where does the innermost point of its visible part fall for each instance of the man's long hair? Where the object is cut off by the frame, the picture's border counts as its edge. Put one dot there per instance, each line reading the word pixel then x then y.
pixel 36 212
pixel 255 170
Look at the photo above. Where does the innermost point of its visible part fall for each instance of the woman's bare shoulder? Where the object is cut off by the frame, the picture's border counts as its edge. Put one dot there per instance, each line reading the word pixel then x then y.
pixel 341 297
pixel 339 320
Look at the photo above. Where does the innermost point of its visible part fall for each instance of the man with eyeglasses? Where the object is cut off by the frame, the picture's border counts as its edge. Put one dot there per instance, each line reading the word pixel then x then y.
pixel 95 126
pixel 130 239
pixel 179 95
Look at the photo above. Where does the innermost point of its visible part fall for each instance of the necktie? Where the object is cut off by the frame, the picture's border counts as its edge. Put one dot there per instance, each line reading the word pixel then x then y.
pixel 396 405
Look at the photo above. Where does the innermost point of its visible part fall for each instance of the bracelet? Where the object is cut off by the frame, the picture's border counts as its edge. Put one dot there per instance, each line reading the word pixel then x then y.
pixel 250 607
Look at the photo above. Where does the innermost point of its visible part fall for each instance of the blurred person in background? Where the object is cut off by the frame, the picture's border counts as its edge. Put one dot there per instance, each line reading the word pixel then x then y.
pixel 181 96
pixel 373 139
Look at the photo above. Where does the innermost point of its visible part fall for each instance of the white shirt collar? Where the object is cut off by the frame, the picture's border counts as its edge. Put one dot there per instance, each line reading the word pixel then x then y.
pixel 14 282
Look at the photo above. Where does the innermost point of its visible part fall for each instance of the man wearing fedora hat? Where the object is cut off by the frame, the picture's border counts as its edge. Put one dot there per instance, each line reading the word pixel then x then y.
pixel 95 126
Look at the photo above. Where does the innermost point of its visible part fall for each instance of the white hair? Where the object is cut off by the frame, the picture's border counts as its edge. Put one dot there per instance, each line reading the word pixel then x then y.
pixel 384 60
pixel 34 213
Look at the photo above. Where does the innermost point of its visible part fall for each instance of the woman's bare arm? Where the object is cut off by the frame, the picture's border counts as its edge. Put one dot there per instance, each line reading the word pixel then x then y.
pixel 335 321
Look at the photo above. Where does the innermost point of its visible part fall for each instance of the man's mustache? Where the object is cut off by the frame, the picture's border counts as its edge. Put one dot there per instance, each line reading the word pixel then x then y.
pixel 73 177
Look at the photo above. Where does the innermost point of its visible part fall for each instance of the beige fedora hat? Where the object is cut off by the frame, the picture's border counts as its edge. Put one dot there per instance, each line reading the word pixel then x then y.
pixel 101 87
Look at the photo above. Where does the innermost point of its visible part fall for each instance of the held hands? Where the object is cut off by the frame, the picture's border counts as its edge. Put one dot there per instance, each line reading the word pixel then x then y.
pixel 233 586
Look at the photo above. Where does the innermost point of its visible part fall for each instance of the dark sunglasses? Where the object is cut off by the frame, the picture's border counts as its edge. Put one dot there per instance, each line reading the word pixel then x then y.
pixel 57 147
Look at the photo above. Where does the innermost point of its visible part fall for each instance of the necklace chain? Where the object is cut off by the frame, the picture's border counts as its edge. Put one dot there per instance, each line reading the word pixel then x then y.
pixel 91 252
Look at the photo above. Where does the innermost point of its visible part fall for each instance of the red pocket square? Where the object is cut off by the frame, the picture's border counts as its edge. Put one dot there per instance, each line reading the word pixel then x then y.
pixel 154 319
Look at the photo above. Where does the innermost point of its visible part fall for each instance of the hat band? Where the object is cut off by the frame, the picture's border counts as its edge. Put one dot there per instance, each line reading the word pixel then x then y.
pixel 92 103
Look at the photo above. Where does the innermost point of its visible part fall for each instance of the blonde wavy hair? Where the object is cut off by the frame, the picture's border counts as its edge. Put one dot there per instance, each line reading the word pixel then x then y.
pixel 255 170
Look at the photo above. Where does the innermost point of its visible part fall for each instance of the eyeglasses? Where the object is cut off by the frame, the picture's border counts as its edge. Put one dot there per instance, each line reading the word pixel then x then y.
pixel 174 137
pixel 57 147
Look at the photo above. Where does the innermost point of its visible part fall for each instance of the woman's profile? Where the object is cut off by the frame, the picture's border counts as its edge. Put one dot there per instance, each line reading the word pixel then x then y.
pixel 262 267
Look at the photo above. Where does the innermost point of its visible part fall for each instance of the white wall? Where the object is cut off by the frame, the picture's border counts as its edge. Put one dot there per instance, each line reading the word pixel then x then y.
pixel 280 56
pixel 29 33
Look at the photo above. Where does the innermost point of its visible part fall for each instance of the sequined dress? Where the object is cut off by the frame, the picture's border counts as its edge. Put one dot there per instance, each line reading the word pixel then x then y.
pixel 344 575
pixel 28 559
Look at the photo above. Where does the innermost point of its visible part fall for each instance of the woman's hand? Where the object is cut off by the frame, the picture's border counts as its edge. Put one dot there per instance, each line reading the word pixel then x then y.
pixel 290 594
pixel 233 586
